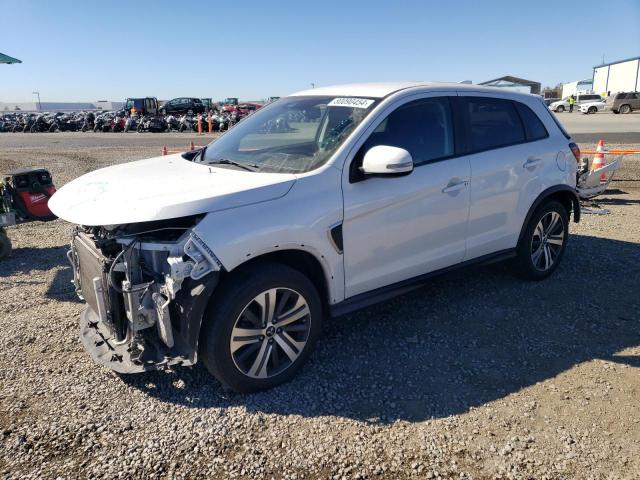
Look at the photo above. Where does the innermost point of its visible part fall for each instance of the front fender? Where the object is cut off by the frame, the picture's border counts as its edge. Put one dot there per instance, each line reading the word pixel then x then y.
pixel 300 220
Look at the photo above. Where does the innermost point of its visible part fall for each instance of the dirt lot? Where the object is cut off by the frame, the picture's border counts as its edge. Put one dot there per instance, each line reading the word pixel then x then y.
pixel 477 375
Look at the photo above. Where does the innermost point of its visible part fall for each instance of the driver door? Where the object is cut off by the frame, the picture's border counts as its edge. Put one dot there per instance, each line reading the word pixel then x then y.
pixel 399 227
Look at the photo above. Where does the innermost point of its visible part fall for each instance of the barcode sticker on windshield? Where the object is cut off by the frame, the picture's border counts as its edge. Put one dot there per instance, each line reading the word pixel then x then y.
pixel 350 102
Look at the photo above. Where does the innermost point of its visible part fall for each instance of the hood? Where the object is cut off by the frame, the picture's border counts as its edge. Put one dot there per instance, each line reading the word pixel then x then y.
pixel 162 188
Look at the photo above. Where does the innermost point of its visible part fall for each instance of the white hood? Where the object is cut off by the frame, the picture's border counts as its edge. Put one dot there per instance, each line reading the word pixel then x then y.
pixel 161 188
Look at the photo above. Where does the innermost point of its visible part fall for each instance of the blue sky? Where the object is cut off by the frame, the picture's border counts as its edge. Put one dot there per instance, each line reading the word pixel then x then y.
pixel 86 51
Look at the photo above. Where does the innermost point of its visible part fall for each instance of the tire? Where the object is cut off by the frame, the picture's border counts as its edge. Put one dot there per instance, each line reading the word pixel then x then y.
pixel 274 354
pixel 592 110
pixel 560 109
pixel 624 109
pixel 615 111
pixel 5 245
pixel 549 221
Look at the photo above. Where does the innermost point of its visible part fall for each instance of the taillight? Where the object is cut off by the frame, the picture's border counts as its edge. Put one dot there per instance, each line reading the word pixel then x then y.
pixel 575 149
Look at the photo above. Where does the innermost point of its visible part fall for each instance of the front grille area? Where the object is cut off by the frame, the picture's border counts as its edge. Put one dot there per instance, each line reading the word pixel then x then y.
pixel 93 264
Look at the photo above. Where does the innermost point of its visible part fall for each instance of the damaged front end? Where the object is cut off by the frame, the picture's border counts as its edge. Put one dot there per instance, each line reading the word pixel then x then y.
pixel 146 288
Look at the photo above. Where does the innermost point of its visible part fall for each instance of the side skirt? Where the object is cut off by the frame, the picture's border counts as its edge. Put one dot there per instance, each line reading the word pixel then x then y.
pixel 382 294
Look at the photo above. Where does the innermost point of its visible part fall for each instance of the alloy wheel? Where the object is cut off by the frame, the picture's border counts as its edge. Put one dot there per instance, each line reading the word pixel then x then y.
pixel 547 241
pixel 270 333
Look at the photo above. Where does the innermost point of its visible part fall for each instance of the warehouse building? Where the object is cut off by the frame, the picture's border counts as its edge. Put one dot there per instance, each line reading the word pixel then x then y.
pixel 621 76
pixel 515 84
pixel 59 106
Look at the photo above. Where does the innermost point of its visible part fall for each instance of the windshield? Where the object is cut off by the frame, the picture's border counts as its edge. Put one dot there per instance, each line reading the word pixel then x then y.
pixel 292 135
pixel 134 103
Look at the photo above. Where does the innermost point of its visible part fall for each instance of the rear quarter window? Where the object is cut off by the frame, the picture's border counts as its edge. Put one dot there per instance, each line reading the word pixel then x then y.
pixel 534 128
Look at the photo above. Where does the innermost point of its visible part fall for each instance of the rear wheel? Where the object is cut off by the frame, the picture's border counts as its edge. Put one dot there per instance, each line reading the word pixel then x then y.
pixel 543 243
pixel 261 327
pixel 5 245
pixel 625 109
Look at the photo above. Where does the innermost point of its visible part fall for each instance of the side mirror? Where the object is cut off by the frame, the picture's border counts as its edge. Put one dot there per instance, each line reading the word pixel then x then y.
pixel 387 160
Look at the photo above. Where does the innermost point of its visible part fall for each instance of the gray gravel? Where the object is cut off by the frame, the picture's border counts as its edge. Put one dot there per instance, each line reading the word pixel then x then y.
pixel 477 375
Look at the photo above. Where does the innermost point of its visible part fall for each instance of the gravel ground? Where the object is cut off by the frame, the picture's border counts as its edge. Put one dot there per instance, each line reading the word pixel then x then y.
pixel 477 375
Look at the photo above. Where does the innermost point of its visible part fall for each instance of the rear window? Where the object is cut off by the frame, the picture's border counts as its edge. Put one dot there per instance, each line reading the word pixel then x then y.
pixel 533 127
pixel 494 123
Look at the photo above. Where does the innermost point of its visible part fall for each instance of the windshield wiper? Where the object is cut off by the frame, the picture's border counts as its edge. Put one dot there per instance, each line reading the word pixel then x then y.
pixel 225 161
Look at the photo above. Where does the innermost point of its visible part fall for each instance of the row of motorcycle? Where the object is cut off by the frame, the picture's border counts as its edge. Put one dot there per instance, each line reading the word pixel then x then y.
pixel 117 121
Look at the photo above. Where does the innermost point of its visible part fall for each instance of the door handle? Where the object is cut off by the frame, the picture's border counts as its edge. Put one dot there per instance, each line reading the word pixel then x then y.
pixel 532 162
pixel 454 187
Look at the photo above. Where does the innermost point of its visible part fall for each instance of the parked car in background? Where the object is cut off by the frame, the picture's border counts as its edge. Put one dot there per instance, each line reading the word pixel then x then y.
pixel 141 106
pixel 182 105
pixel 234 254
pixel 563 105
pixel 593 107
pixel 230 104
pixel 248 108
pixel 624 102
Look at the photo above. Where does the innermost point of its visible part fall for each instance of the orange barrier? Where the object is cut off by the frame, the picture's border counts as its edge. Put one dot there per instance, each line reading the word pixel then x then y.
pixel 192 147
pixel 209 122
pixel 199 124
pixel 612 152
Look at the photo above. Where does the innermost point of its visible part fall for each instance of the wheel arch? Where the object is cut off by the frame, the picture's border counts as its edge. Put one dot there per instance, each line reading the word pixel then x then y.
pixel 564 194
pixel 195 296
pixel 297 258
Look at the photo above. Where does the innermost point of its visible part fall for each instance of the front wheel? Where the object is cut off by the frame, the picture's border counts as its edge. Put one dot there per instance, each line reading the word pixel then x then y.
pixel 592 110
pixel 543 243
pixel 261 327
pixel 560 109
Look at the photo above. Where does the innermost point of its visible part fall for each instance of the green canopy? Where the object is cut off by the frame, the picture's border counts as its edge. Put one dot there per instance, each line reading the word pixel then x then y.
pixel 7 59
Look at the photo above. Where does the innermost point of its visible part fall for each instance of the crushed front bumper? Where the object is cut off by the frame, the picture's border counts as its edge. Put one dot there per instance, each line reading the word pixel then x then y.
pixel 137 356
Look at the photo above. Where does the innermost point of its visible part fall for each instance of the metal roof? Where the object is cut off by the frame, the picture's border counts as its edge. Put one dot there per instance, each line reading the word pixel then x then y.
pixel 7 59
pixel 619 61
pixel 535 86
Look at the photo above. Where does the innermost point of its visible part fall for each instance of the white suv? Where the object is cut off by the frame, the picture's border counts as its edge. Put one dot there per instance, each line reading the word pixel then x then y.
pixel 562 105
pixel 321 203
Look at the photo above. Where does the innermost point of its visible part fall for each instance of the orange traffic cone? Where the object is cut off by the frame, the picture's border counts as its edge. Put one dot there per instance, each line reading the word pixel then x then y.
pixel 599 161
pixel 192 146
pixel 164 150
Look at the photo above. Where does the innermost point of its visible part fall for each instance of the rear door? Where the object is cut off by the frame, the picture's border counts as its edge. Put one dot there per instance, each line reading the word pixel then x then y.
pixel 505 169
pixel 396 228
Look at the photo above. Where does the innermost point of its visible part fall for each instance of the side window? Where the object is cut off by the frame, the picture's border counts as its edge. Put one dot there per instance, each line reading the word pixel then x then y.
pixel 423 127
pixel 493 122
pixel 532 125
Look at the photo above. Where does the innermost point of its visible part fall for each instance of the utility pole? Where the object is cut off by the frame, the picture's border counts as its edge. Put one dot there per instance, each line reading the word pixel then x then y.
pixel 39 104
